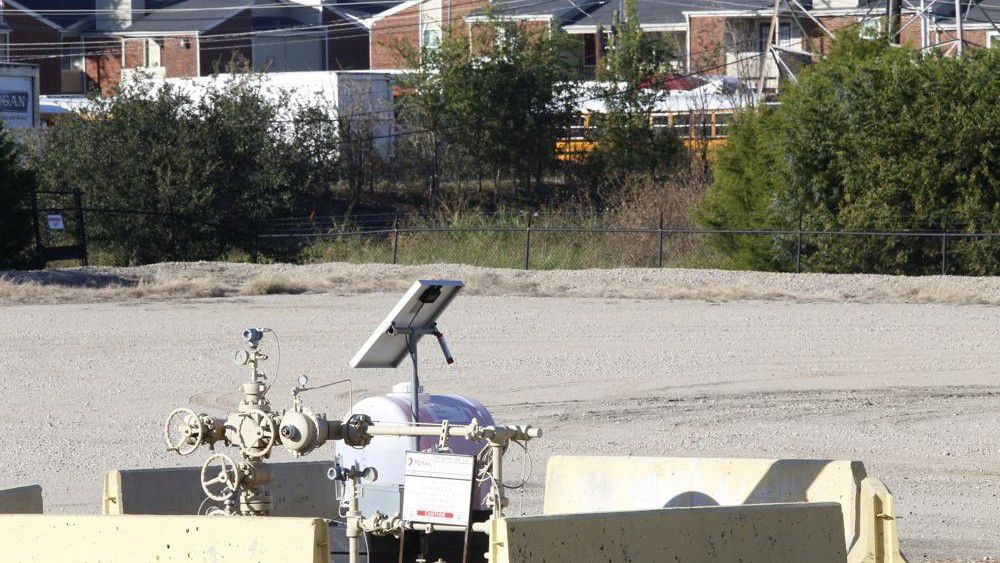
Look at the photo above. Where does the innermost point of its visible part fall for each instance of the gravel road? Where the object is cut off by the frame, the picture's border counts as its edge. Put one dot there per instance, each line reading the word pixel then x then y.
pixel 913 390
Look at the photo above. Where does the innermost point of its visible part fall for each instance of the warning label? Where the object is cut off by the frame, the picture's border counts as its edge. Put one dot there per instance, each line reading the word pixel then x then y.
pixel 437 488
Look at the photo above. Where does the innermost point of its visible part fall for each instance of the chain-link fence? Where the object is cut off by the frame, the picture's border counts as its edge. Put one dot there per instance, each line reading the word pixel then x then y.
pixel 542 243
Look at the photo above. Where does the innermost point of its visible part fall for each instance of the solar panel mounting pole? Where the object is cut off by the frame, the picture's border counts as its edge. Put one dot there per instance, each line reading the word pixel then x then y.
pixel 411 346
pixel 396 337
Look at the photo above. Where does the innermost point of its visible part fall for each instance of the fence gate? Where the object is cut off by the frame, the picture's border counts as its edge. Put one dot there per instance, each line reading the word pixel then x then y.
pixel 58 222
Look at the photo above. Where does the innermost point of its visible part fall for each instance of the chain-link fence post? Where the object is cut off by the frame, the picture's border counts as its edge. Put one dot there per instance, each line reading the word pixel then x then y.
pixel 527 243
pixel 944 253
pixel 659 249
pixel 81 230
pixel 39 261
pixel 798 250
pixel 395 238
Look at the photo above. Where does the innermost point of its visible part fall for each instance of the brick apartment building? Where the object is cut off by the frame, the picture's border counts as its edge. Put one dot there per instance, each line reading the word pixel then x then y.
pixel 81 45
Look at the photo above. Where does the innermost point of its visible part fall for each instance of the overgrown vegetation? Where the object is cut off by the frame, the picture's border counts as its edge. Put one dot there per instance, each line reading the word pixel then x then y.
pixel 873 138
pixel 16 183
pixel 185 177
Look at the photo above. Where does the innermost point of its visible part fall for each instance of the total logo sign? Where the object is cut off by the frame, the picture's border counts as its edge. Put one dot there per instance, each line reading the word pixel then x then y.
pixel 437 488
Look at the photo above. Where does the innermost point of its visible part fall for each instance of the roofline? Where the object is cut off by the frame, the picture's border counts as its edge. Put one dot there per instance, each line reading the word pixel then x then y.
pixel 391 11
pixel 147 33
pixel 351 19
pixel 575 29
pixel 525 17
pixel 34 14
pixel 968 25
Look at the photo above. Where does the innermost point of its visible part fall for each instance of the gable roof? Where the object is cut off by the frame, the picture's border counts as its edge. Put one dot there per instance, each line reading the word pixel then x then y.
pixel 187 15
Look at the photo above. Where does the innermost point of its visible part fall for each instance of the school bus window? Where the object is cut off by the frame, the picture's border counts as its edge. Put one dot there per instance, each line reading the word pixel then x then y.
pixel 661 121
pixel 577 127
pixel 722 121
pixel 682 124
pixel 703 125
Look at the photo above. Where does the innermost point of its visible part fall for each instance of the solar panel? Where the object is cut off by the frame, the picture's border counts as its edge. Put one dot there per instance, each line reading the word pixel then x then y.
pixel 417 311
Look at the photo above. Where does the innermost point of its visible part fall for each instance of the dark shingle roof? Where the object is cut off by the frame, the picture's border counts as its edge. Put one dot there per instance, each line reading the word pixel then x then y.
pixel 594 12
pixel 75 10
pixel 362 10
pixel 192 15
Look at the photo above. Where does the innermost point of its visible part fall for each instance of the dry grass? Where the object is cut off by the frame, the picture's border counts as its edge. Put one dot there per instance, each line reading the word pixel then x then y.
pixel 215 279
pixel 267 284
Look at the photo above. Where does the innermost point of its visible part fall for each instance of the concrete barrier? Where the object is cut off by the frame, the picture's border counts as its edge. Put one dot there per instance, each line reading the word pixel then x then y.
pixel 753 533
pixel 583 484
pixel 127 539
pixel 21 500
pixel 298 489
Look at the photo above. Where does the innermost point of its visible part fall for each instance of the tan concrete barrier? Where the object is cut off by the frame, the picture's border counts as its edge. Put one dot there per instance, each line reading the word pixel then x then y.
pixel 22 500
pixel 298 489
pixel 755 533
pixel 576 484
pixel 127 539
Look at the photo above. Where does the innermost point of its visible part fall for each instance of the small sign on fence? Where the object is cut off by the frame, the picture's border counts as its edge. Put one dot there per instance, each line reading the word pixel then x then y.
pixel 437 488
pixel 56 222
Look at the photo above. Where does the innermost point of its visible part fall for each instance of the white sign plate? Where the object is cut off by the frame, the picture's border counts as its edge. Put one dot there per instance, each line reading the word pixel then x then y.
pixel 437 488
pixel 17 101
pixel 56 222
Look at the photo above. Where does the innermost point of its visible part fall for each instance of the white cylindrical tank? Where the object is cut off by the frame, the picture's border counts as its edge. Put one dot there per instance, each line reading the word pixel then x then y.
pixel 387 454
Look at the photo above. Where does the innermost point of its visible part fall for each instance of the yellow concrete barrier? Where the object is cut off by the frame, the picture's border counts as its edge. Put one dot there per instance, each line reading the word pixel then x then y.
pixel 754 533
pixel 577 484
pixel 298 489
pixel 22 500
pixel 131 539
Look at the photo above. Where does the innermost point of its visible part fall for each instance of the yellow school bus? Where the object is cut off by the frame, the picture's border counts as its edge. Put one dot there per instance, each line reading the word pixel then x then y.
pixel 696 129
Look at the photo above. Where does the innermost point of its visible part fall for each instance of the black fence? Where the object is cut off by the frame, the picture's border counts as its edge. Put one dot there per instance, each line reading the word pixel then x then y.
pixel 529 241
pixel 533 244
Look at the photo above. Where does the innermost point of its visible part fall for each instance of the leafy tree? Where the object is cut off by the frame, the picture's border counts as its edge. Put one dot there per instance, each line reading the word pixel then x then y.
pixel 16 183
pixel 185 178
pixel 634 65
pixel 872 138
pixel 496 102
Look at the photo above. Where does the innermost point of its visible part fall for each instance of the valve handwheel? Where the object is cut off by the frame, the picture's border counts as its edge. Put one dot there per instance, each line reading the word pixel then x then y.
pixel 184 431
pixel 257 433
pixel 219 482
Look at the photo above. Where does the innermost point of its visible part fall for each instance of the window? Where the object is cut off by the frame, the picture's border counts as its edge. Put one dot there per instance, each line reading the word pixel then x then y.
pixel 682 125
pixel 660 121
pixel 590 50
pixel 577 127
pixel 4 45
pixel 784 32
pixel 430 25
pixel 703 125
pixel 722 121
pixel 430 38
pixel 870 28
pixel 72 56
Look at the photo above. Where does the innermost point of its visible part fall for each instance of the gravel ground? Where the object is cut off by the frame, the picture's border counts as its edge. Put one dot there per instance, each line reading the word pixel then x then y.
pixel 911 389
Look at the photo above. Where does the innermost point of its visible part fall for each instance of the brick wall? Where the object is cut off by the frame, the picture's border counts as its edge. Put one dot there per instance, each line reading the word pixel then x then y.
pixel 103 67
pixel 179 56
pixel 910 35
pixel 220 54
pixel 134 49
pixel 347 44
pixel 821 42
pixel 25 29
pixel 973 38
pixel 708 44
pixel 388 35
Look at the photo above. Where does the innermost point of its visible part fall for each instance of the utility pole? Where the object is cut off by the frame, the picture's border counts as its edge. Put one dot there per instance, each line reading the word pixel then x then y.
pixel 894 19
pixel 767 51
pixel 959 35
